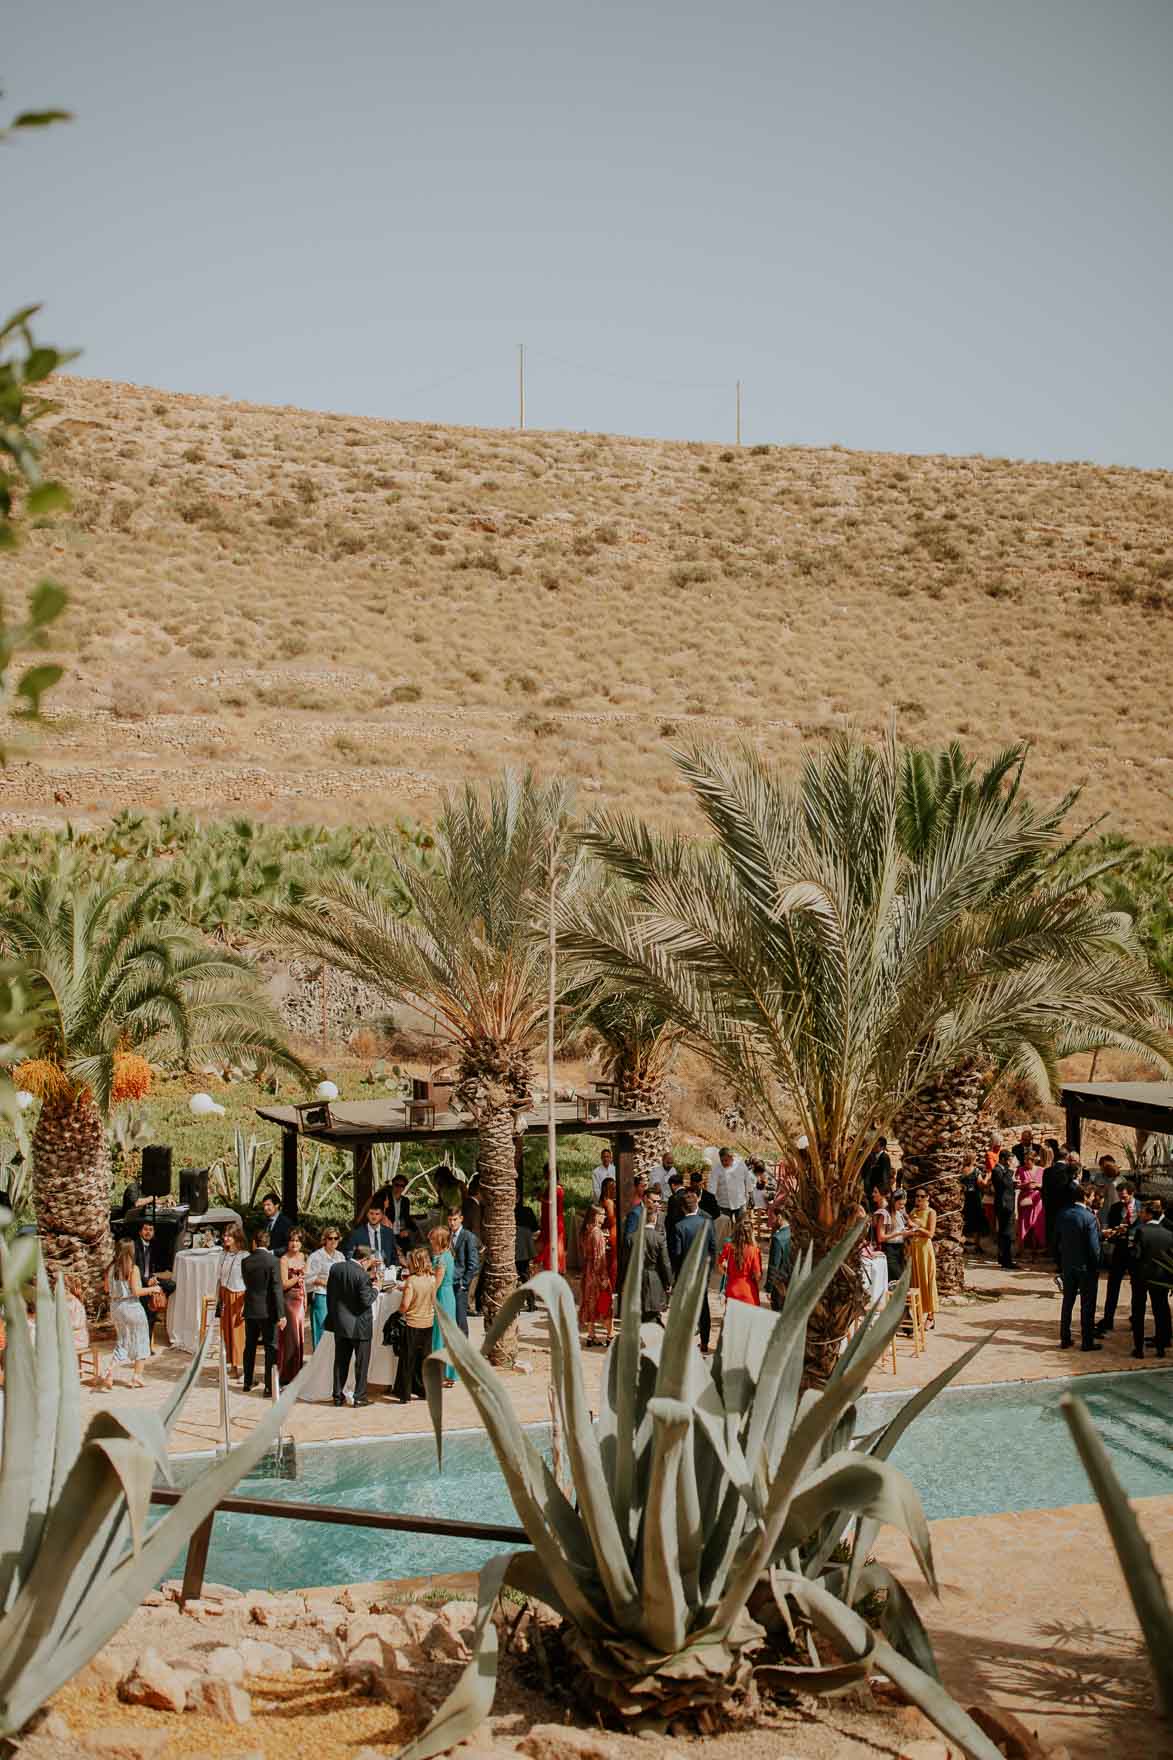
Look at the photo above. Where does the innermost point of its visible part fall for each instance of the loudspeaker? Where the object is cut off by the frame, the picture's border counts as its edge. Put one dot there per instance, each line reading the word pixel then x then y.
pixel 156 1180
pixel 193 1189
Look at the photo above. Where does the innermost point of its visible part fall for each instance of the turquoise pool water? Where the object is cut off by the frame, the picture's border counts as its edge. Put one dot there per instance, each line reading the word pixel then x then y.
pixel 976 1451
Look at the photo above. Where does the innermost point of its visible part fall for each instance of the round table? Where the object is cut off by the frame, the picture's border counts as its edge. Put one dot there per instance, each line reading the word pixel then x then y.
pixel 318 1385
pixel 197 1274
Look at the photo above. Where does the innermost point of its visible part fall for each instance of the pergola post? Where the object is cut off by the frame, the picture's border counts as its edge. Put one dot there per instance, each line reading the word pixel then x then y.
pixel 624 1169
pixel 1074 1125
pixel 364 1178
pixel 289 1174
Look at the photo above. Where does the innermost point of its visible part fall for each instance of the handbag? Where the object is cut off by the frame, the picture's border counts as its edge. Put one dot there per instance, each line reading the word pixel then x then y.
pixel 156 1300
pixel 393 1333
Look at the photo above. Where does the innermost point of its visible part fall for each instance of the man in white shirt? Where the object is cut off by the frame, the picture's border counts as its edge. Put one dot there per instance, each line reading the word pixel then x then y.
pixel 604 1171
pixel 662 1174
pixel 730 1183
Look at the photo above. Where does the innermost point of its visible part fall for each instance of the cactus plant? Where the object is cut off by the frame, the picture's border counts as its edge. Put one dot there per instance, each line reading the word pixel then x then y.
pixel 77 1550
pixel 699 1483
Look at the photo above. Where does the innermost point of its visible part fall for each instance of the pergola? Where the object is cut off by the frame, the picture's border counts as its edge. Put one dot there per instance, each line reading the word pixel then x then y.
pixel 1146 1107
pixel 357 1125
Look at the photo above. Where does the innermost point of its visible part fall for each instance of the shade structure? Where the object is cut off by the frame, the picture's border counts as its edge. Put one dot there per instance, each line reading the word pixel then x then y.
pixel 357 1125
pixel 1140 1106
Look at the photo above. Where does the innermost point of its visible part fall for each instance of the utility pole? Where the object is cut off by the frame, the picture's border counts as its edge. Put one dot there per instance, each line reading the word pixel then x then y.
pixel 552 1130
pixel 521 386
pixel 739 412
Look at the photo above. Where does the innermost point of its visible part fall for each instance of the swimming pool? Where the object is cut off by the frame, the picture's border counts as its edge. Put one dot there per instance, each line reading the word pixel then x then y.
pixel 976 1451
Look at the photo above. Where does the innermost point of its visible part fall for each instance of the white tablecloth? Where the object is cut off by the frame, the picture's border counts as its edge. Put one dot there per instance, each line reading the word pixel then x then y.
pixel 196 1275
pixel 319 1382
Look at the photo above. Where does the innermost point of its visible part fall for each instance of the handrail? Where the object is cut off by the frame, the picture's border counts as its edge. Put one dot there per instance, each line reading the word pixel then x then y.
pixel 332 1514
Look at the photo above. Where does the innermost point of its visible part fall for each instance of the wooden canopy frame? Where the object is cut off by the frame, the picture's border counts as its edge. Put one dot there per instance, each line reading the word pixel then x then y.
pixel 357 1125
pixel 1141 1106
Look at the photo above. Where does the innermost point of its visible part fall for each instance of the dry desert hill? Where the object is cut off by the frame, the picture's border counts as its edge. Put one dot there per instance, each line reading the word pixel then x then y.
pixel 326 616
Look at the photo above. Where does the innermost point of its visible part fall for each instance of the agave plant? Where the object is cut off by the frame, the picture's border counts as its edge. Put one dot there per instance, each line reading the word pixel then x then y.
pixel 698 1485
pixel 1143 1579
pixel 240 1182
pixel 77 1551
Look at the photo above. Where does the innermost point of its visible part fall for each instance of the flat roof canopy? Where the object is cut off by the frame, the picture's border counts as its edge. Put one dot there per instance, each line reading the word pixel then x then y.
pixel 1142 1106
pixel 359 1122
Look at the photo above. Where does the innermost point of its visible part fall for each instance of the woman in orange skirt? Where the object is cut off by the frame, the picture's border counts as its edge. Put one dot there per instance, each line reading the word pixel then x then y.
pixel 608 1203
pixel 232 1299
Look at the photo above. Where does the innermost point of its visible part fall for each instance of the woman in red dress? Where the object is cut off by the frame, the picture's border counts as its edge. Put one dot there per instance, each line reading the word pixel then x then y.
pixel 544 1233
pixel 741 1263
pixel 595 1301
pixel 609 1201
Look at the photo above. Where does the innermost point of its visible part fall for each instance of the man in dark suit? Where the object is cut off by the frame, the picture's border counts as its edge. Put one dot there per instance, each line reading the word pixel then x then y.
pixel 1118 1225
pixel 674 1212
pixel 1005 1185
pixel 350 1297
pixel 374 1234
pixel 397 1213
pixel 466 1262
pixel 277 1223
pixel 150 1259
pixel 656 1283
pixel 1152 1274
pixel 876 1170
pixel 1079 1268
pixel 264 1308
pixel 692 1223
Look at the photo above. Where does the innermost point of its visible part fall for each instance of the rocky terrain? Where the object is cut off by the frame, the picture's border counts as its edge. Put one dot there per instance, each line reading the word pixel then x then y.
pixel 320 616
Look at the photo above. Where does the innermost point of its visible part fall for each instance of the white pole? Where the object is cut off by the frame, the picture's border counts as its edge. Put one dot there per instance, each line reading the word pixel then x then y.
pixel 224 1418
pixel 521 386
pixel 552 1138
pixel 739 412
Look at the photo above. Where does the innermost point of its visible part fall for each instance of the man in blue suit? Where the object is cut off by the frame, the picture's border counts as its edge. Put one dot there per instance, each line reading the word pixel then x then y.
pixel 466 1262
pixel 374 1233
pixel 1078 1245
pixel 692 1223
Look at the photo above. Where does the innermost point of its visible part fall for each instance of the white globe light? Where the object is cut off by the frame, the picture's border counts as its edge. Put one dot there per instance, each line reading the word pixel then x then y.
pixel 709 1155
pixel 803 1143
pixel 327 1090
pixel 24 1099
pixel 203 1106
pixel 521 1124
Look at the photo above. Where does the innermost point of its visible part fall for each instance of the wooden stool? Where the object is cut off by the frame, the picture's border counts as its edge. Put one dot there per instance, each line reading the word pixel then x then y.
pixel 914 1308
pixel 208 1318
pixel 88 1356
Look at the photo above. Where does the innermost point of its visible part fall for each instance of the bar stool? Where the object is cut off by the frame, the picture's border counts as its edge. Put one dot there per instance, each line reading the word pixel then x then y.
pixel 208 1318
pixel 914 1308
pixel 88 1358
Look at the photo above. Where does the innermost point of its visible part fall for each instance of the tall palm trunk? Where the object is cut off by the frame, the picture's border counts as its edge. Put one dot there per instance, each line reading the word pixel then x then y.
pixel 937 1131
pixel 71 1193
pixel 819 1218
pixel 635 1092
pixel 498 1192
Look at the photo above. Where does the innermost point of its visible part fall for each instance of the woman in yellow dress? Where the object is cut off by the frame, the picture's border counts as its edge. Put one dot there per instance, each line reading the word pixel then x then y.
pixel 922 1255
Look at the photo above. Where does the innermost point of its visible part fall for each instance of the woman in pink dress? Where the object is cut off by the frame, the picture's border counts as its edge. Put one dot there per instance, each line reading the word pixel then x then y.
pixel 291 1338
pixel 595 1302
pixel 1032 1235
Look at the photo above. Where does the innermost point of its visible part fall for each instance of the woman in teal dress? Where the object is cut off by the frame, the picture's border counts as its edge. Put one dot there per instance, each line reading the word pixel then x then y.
pixel 439 1240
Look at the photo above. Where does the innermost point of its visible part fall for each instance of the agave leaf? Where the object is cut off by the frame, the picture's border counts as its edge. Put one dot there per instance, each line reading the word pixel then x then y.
pixel 900 1622
pixel 471 1699
pixel 880 1443
pixel 19 1520
pixel 678 1347
pixel 169 1411
pixel 844 1627
pixel 553 1525
pixel 820 1416
pixel 1141 1575
pixel 594 1501
pixel 869 1487
pixel 69 1425
pixel 136 1474
pixel 665 1609
pixel 104 1598
pixel 623 1379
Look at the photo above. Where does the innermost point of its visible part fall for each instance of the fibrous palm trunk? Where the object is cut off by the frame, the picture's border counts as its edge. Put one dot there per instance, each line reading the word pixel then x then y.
pixel 498 1192
pixel 937 1132
pixel 819 1218
pixel 635 1092
pixel 71 1193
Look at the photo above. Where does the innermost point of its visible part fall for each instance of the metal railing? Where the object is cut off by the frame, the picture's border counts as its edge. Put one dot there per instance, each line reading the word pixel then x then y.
pixel 333 1515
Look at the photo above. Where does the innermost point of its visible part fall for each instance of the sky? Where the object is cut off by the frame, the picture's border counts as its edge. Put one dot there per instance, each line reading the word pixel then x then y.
pixel 917 226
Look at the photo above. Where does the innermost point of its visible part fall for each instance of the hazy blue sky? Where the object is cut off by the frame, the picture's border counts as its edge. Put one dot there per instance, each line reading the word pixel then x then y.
pixel 917 225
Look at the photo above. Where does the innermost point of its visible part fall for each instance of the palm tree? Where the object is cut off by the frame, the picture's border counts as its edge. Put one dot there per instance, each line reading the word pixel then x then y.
pixel 637 1042
pixel 939 791
pixel 473 954
pixel 108 989
pixel 832 979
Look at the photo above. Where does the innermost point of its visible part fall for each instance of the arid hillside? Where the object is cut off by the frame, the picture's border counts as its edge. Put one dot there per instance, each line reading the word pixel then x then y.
pixel 331 617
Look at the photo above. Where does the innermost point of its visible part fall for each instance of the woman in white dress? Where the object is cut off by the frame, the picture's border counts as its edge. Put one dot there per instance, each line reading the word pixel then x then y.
pixel 126 1291
pixel 317 1275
